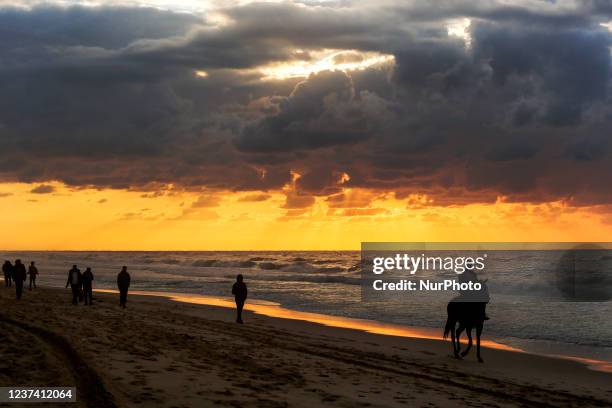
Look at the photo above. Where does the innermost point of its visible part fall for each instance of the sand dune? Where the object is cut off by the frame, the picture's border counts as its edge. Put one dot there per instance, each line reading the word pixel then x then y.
pixel 160 353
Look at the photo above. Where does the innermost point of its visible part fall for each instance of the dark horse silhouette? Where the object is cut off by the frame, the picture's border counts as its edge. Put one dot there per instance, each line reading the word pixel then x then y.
pixel 468 315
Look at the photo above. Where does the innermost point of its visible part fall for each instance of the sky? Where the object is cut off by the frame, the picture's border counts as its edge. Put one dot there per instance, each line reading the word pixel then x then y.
pixel 193 125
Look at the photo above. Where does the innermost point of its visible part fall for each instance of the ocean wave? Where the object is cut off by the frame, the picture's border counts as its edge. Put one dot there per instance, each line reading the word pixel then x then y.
pixel 270 265
pixel 305 267
pixel 347 280
pixel 209 263
pixel 332 269
pixel 325 261
pixel 260 258
pixel 204 263
pixel 169 261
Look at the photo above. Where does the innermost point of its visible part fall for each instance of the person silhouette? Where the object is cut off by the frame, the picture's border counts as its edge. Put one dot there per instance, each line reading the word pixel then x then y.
pixel 87 279
pixel 7 268
pixel 19 276
pixel 74 280
pixel 239 290
pixel 481 296
pixel 32 271
pixel 123 283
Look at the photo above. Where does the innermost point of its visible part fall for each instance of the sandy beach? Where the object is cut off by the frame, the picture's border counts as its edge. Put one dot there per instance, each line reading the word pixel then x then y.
pixel 163 353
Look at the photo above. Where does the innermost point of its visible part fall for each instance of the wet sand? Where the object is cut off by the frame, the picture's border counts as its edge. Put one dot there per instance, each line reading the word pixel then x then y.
pixel 161 353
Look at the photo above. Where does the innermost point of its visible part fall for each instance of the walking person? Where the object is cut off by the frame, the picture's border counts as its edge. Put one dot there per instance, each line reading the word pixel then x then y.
pixel 87 280
pixel 32 271
pixel 239 290
pixel 123 282
pixel 7 268
pixel 19 276
pixel 74 280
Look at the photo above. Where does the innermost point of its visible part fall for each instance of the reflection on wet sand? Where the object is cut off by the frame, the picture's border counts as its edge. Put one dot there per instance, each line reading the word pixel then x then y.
pixel 272 309
pixel 275 310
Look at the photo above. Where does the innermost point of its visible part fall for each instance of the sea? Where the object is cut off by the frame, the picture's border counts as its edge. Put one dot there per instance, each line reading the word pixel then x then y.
pixel 526 311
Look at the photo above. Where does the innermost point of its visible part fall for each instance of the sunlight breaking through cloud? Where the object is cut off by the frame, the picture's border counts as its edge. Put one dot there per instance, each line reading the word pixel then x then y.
pixel 326 60
pixel 461 28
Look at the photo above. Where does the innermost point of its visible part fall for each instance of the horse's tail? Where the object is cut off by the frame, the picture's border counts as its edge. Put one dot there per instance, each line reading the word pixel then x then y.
pixel 448 327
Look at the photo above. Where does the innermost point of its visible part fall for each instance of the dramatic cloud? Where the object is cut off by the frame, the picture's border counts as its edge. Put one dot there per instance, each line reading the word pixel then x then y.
pixel 253 198
pixel 295 201
pixel 43 189
pixel 320 112
pixel 205 201
pixel 459 102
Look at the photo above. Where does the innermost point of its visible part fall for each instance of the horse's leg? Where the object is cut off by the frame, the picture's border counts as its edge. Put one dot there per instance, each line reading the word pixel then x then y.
pixel 458 336
pixel 452 331
pixel 468 331
pixel 478 333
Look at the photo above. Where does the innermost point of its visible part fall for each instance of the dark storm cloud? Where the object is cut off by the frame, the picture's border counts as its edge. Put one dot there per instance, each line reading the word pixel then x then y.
pixel 320 112
pixel 108 97
pixel 588 148
pixel 572 67
pixel 105 27
pixel 513 151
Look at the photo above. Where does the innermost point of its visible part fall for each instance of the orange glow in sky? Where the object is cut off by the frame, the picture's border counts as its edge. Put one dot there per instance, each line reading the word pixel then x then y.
pixel 89 219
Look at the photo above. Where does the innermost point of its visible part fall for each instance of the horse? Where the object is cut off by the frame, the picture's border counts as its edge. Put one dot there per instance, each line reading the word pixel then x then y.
pixel 468 315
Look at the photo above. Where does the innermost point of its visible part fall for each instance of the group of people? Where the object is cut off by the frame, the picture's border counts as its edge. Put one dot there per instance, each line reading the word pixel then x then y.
pixel 17 274
pixel 81 284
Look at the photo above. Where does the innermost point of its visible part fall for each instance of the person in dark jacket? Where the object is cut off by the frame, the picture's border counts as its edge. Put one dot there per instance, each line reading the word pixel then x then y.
pixel 7 268
pixel 123 283
pixel 19 276
pixel 74 280
pixel 239 290
pixel 87 279
pixel 33 272
pixel 481 296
